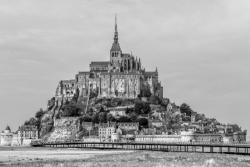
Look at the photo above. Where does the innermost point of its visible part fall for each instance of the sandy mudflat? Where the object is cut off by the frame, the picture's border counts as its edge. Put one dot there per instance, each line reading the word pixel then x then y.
pixel 49 157
pixel 26 155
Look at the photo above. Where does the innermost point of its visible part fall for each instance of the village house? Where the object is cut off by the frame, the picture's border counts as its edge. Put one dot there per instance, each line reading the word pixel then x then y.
pixel 119 111
pixel 155 123
pixel 105 131
pixel 27 133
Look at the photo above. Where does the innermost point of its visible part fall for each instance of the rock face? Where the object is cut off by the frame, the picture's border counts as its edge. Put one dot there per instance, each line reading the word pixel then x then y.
pixel 47 121
pixel 64 129
pixel 46 124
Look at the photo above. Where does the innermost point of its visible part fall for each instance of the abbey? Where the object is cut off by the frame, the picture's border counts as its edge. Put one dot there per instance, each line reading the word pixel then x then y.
pixel 122 76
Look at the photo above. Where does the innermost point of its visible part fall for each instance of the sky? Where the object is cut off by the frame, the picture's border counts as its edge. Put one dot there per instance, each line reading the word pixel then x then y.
pixel 201 49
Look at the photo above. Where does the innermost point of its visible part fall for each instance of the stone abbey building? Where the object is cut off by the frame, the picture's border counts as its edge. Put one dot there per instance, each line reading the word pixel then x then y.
pixel 122 76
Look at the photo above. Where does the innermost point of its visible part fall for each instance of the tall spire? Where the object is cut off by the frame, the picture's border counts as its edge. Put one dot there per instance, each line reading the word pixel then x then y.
pixel 116 32
pixel 115 23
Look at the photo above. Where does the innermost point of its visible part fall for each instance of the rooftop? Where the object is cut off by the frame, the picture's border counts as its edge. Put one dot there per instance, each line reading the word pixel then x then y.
pixel 100 63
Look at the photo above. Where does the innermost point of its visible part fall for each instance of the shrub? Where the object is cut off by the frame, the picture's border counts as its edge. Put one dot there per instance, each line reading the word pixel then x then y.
pixel 39 114
pixel 124 119
pixel 32 121
pixel 95 118
pixel 143 122
pixel 110 118
pixel 102 117
pixel 70 110
pixel 86 118
pixel 185 108
pixel 155 100
pixel 142 108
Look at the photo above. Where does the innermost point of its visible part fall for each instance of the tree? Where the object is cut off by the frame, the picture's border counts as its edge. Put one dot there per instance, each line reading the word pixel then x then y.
pixel 142 108
pixel 39 114
pixel 102 117
pixel 133 116
pixel 93 94
pixel 124 119
pixel 129 110
pixel 185 118
pixel 70 110
pixel 146 108
pixel 143 122
pixel 32 121
pixel 86 118
pixel 110 118
pixel 185 108
pixel 90 112
pixel 200 117
pixel 102 109
pixel 95 118
pixel 155 100
pixel 236 128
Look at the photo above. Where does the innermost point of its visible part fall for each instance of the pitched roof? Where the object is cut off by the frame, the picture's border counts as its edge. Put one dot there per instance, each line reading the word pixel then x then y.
pixel 7 128
pixel 126 55
pixel 28 128
pixel 151 73
pixel 102 63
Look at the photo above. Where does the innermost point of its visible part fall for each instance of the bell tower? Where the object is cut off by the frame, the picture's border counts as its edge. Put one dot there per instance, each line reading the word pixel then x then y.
pixel 115 51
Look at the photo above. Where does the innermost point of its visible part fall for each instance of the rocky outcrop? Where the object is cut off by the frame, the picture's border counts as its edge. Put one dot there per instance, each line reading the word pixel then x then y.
pixel 64 129
pixel 47 121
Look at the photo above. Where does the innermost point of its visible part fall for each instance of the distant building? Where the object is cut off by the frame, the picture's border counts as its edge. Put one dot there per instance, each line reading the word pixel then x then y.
pixel 239 137
pixel 119 111
pixel 87 125
pixel 182 137
pixel 6 137
pixel 193 116
pixel 208 138
pixel 116 136
pixel 155 123
pixel 105 131
pixel 26 133
pixel 128 125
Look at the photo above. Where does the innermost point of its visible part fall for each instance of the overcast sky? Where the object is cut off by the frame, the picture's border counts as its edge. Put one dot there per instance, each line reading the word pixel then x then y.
pixel 201 49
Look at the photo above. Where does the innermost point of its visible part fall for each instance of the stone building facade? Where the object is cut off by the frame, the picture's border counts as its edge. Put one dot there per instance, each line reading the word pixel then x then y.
pixel 122 76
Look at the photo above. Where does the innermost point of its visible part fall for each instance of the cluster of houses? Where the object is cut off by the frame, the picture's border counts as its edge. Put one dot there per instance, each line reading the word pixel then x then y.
pixel 22 137
pixel 129 131
pixel 157 130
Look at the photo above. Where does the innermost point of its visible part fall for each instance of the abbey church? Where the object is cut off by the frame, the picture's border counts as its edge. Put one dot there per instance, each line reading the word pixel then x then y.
pixel 122 76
